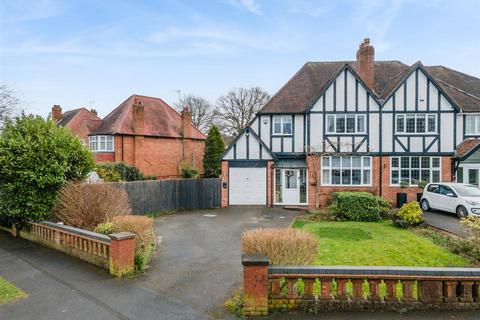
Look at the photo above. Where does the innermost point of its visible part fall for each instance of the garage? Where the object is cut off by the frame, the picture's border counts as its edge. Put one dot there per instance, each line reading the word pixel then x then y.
pixel 248 186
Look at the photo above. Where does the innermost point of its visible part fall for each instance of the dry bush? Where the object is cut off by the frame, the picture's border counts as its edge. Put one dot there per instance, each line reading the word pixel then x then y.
pixel 87 205
pixel 142 226
pixel 285 246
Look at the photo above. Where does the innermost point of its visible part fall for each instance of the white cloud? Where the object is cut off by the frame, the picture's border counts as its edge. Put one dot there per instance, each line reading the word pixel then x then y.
pixel 23 10
pixel 249 5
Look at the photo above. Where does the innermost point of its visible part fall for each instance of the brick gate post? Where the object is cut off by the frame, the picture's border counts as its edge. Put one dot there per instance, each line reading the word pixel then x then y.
pixel 255 284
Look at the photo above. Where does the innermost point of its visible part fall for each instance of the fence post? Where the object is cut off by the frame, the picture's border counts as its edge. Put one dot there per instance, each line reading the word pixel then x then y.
pixel 122 253
pixel 255 284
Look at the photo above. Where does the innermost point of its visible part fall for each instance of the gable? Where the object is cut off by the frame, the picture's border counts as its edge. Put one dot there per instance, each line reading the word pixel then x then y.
pixel 346 92
pixel 418 92
pixel 247 146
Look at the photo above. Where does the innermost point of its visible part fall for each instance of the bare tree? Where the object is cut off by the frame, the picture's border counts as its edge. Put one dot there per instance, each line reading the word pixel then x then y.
pixel 201 110
pixel 9 103
pixel 234 110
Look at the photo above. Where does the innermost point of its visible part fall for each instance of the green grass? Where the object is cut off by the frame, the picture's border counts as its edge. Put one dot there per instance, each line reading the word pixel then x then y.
pixel 375 244
pixel 8 292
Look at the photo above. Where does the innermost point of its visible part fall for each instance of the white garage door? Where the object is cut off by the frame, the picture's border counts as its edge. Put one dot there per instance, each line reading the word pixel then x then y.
pixel 248 186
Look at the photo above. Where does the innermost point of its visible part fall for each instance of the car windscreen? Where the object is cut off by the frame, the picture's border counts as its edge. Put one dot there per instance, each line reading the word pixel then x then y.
pixel 467 191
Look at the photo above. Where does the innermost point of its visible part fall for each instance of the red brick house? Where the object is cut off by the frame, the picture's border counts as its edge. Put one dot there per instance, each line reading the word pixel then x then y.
pixel 142 131
pixel 362 125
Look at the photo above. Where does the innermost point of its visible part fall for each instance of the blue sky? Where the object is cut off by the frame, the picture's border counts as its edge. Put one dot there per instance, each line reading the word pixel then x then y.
pixel 97 53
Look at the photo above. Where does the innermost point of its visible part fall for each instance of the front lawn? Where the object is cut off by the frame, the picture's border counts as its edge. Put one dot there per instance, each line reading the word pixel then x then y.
pixel 375 244
pixel 8 292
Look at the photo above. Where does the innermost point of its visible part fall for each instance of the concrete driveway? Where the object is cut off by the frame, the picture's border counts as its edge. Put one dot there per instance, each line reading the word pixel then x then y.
pixel 198 261
pixel 445 221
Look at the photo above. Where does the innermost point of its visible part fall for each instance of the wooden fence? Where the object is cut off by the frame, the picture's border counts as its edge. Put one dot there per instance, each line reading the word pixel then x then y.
pixel 182 194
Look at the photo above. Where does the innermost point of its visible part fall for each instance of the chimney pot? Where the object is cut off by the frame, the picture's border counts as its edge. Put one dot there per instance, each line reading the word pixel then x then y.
pixel 93 111
pixel 365 63
pixel 56 113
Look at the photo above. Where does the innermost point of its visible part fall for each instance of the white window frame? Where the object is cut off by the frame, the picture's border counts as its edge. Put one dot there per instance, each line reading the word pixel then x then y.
pixel 415 116
pixel 420 168
pixel 476 124
pixel 283 119
pixel 345 115
pixel 101 143
pixel 330 168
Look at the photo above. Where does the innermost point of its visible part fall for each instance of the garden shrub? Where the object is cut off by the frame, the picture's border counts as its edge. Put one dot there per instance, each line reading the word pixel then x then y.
pixel 87 205
pixel 410 214
pixel 104 228
pixel 119 171
pixel 358 206
pixel 36 158
pixel 214 148
pixel 145 239
pixel 189 170
pixel 284 246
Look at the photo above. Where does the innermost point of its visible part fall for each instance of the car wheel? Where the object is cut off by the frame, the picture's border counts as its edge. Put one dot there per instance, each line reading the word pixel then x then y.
pixel 425 205
pixel 462 212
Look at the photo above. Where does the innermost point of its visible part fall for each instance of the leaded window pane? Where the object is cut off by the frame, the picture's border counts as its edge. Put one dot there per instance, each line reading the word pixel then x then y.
pixel 415 162
pixel 356 162
pixel 326 176
pixel 346 176
pixel 425 175
pixel 425 162
pixel 400 123
pixel 410 123
pixel 346 162
pixel 366 176
pixel 336 162
pixel 405 175
pixel 435 162
pixel 405 162
pixel 326 162
pixel 421 123
pixel 414 176
pixel 435 176
pixel 361 123
pixel 395 178
pixel 395 162
pixel 432 123
pixel 350 123
pixel 366 161
pixel 335 176
pixel 340 124
pixel 330 124
pixel 357 176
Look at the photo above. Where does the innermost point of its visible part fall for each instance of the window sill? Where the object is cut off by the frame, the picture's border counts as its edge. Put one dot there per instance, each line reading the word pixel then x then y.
pixel 345 134
pixel 281 135
pixel 103 151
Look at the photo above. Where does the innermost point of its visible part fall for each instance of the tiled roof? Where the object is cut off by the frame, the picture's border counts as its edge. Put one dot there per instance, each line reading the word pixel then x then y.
pixel 161 120
pixel 80 118
pixel 297 94
pixel 466 146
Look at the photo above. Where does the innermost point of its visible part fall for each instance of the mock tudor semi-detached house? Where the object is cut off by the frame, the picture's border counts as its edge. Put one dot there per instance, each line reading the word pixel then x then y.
pixel 142 131
pixel 364 125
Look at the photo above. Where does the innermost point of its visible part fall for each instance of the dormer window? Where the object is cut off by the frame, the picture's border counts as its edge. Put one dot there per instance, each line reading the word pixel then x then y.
pixel 282 125
pixel 101 143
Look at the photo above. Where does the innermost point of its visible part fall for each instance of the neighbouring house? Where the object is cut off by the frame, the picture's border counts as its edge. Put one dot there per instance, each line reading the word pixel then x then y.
pixel 142 131
pixel 361 125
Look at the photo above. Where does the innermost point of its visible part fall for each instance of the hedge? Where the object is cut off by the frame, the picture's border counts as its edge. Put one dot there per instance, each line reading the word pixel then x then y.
pixel 358 206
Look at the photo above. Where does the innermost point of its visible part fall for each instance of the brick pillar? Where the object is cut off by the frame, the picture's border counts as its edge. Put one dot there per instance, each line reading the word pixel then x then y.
pixel 139 131
pixel 225 185
pixel 430 291
pixel 255 284
pixel 270 175
pixel 122 253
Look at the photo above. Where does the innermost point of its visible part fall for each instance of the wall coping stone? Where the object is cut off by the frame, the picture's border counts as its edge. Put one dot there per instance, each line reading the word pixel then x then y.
pixel 122 235
pixel 86 233
pixel 255 259
pixel 375 271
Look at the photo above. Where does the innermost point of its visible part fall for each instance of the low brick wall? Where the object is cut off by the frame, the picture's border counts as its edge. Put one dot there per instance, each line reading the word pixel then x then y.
pixel 269 288
pixel 115 252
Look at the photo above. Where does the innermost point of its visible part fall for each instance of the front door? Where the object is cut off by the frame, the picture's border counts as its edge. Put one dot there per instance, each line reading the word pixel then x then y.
pixel 291 186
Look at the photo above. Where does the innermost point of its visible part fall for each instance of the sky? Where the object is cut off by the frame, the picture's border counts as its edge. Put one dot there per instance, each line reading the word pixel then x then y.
pixel 96 53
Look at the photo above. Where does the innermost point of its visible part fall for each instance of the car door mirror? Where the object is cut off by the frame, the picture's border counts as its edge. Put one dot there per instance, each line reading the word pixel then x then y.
pixel 450 194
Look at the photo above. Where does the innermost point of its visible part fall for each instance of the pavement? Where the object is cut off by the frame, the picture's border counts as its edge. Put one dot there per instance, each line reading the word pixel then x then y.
pixel 196 267
pixel 445 221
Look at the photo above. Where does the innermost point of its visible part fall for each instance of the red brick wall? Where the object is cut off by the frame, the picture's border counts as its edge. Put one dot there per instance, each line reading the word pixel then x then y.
pixel 159 157
pixel 104 157
pixel 224 178
pixel 386 191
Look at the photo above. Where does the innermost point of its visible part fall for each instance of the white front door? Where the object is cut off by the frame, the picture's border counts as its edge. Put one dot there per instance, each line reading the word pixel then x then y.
pixel 291 186
pixel 248 186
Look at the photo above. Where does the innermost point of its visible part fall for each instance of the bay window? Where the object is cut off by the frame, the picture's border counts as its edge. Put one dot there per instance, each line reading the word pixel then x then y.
pixel 472 124
pixel 346 123
pixel 101 143
pixel 282 124
pixel 411 170
pixel 416 123
pixel 346 170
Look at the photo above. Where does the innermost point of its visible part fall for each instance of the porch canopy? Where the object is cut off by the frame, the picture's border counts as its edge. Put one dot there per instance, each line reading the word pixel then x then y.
pixel 292 163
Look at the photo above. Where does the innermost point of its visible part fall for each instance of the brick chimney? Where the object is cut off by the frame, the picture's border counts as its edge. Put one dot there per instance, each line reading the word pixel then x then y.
pixel 56 113
pixel 94 112
pixel 186 122
pixel 138 117
pixel 365 60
